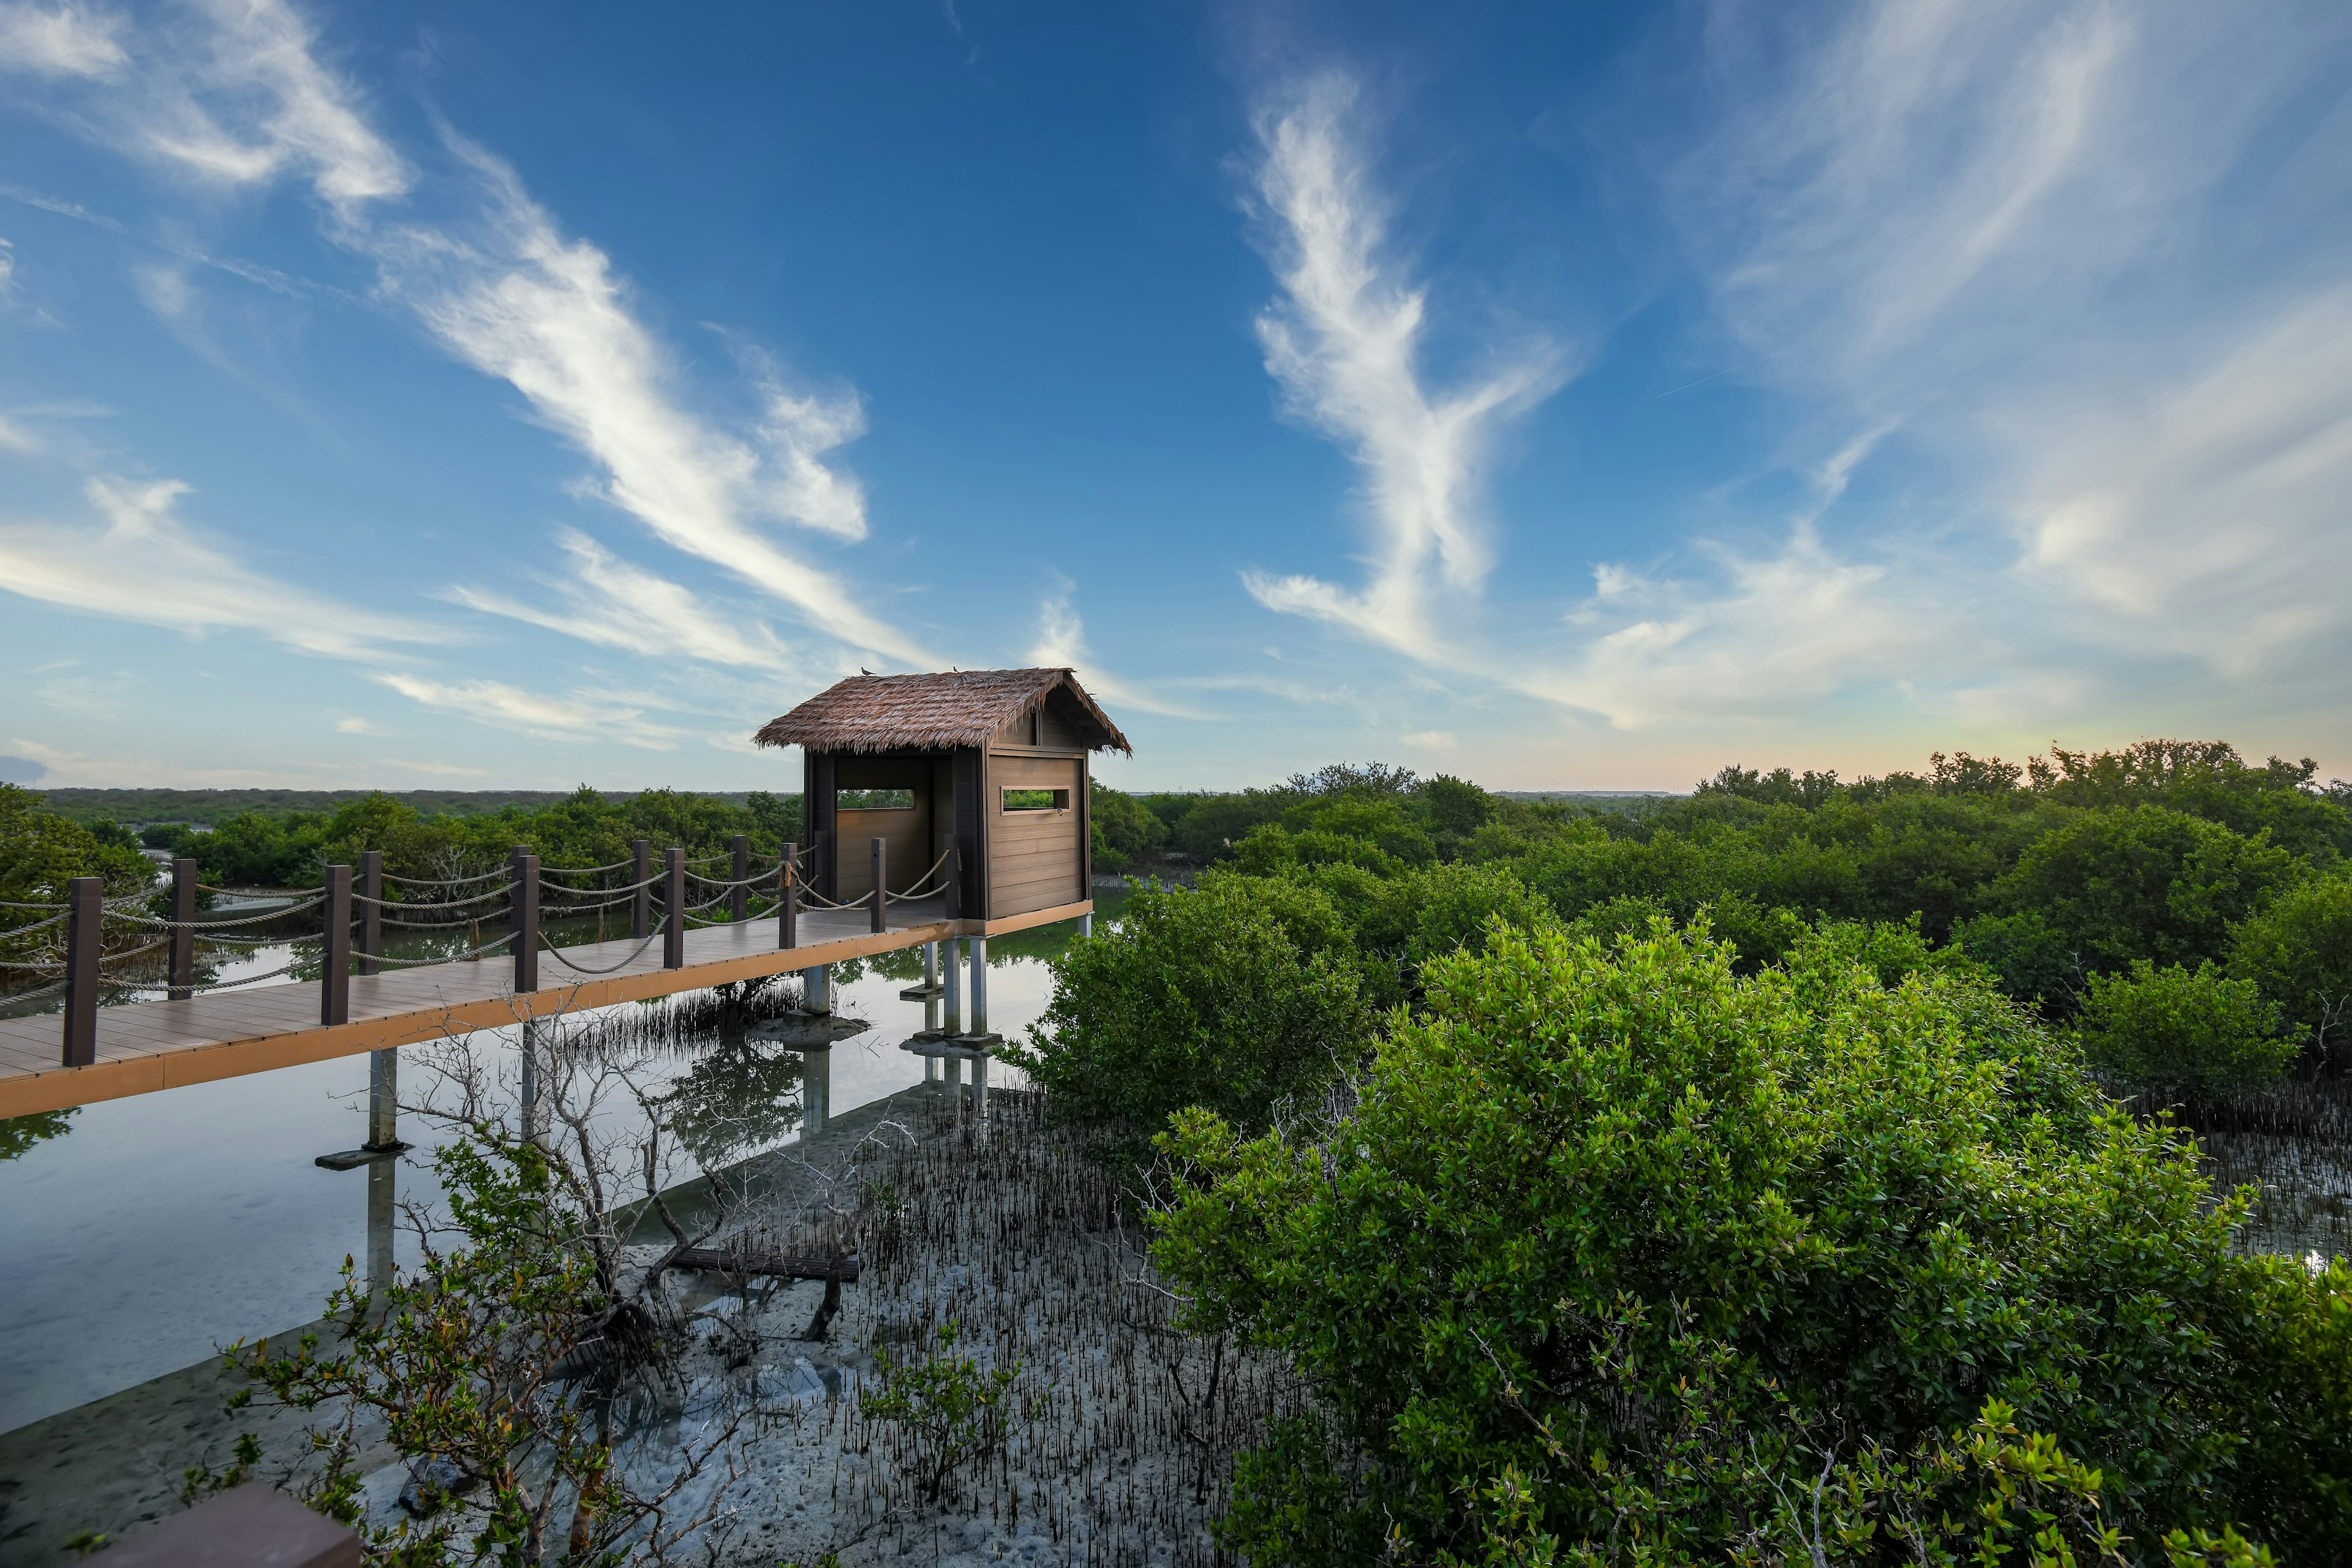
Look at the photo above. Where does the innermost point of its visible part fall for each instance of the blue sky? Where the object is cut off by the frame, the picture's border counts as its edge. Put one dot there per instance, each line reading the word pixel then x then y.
pixel 1568 397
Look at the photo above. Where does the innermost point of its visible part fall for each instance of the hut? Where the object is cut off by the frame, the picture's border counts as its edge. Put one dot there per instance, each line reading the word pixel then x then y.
pixel 992 764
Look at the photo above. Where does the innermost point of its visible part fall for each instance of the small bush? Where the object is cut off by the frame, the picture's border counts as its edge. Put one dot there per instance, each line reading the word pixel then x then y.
pixel 1233 996
pixel 2180 1032
pixel 2299 950
pixel 947 1409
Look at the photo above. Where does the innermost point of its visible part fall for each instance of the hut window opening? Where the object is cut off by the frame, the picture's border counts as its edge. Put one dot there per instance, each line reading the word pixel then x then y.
pixel 1036 800
pixel 874 800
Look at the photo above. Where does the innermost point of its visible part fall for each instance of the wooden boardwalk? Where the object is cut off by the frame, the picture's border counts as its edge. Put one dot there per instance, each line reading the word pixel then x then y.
pixel 148 1046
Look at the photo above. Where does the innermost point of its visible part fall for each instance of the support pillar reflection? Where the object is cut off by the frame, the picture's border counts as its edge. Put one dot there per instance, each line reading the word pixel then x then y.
pixel 383 1195
pixel 534 1114
pixel 816 1088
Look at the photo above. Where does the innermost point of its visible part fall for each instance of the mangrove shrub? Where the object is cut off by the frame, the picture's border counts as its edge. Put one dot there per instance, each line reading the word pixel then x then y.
pixel 1622 1257
pixel 2183 1033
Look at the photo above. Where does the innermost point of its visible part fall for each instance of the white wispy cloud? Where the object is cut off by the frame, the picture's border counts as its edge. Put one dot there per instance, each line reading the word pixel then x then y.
pixel 60 40
pixel 2077 253
pixel 2203 511
pixel 614 602
pixel 1061 642
pixel 137 560
pixel 518 301
pixel 1767 635
pixel 1345 344
pixel 585 715
pixel 237 94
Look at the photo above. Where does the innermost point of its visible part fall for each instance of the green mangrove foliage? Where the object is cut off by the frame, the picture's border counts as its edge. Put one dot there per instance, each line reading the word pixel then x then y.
pixel 2051 876
pixel 40 852
pixel 1624 1256
pixel 2178 1033
pixel 1234 997
pixel 584 828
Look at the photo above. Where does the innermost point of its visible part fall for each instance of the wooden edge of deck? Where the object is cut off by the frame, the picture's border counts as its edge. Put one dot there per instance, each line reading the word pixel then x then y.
pixel 59 1088
pixel 1006 925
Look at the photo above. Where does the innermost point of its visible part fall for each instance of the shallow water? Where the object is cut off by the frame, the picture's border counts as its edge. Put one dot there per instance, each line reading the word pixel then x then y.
pixel 158 1228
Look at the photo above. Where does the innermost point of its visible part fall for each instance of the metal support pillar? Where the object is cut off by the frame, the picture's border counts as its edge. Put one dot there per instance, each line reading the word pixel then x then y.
pixel 183 936
pixel 1086 923
pixel 641 908
pixel 978 946
pixel 878 851
pixel 954 981
pixel 335 949
pixel 523 917
pixel 788 900
pixel 931 966
pixel 383 1102
pixel 739 897
pixel 85 933
pixel 674 905
pixel 816 990
pixel 371 911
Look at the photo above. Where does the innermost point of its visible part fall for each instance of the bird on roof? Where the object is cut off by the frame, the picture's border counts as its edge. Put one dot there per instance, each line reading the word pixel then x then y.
pixel 863 670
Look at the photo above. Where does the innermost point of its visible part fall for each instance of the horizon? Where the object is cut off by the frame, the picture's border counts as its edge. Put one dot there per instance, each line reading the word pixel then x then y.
pixel 411 396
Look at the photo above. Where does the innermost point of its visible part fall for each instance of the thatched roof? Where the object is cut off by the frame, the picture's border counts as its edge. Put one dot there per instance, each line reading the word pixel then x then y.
pixel 933 712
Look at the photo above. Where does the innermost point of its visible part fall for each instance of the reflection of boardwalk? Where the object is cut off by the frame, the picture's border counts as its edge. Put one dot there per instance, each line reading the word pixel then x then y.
pixel 160 1044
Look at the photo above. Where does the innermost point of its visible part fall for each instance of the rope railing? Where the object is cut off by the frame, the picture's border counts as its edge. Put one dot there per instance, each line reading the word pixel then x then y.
pixel 919 890
pixel 445 881
pixel 157 922
pixel 355 904
pixel 482 897
pixel 582 870
pixel 660 927
pixel 469 955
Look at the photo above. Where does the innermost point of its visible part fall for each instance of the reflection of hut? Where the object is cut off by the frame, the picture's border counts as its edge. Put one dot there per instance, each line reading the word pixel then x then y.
pixel 989 762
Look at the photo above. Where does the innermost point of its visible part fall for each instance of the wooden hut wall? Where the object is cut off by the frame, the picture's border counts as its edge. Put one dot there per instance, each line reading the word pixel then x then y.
pixel 1036 858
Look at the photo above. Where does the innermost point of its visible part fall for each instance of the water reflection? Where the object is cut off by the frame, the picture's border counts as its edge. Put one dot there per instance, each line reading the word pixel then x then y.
pixel 161 1227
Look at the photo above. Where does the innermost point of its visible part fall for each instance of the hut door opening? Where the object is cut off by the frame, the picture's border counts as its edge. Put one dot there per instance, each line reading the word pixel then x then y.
pixel 881 799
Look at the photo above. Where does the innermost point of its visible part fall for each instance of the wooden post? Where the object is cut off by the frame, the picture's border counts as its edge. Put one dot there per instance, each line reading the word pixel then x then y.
pixel 878 851
pixel 788 900
pixel 826 874
pixel 673 901
pixel 641 912
pixel 371 910
pixel 523 917
pixel 739 897
pixel 335 949
pixel 85 932
pixel 183 936
pixel 951 885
